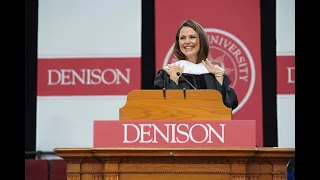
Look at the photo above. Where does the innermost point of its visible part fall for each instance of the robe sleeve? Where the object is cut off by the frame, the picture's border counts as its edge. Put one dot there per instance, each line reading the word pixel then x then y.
pixel 228 94
pixel 162 80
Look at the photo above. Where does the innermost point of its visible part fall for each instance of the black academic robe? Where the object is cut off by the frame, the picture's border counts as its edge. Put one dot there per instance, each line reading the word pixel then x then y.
pixel 202 81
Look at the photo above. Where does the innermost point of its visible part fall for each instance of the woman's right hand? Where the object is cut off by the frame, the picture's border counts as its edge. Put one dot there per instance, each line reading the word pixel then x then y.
pixel 172 70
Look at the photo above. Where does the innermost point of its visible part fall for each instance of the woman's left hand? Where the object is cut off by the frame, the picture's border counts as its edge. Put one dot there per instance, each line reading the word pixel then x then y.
pixel 214 69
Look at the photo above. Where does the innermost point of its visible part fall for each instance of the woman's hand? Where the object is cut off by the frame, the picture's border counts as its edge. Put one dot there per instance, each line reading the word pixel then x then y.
pixel 172 70
pixel 214 69
pixel 217 71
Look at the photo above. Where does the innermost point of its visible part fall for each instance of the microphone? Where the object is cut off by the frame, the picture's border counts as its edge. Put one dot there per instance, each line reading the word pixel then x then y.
pixel 178 74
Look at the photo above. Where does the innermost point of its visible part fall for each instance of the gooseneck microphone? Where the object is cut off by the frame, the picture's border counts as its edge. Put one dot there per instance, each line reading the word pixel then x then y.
pixel 178 74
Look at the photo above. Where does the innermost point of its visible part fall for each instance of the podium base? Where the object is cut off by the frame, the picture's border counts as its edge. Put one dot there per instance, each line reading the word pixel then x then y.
pixel 176 164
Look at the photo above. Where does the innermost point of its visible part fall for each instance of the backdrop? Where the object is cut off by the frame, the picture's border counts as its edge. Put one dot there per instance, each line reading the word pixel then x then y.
pixel 233 29
pixel 89 58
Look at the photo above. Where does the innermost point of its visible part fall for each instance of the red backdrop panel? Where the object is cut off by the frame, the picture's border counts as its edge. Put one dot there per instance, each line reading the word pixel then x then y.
pixel 233 28
pixel 88 76
pixel 286 75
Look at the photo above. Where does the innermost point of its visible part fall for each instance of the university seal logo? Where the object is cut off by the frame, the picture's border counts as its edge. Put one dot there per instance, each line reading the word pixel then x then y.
pixel 227 51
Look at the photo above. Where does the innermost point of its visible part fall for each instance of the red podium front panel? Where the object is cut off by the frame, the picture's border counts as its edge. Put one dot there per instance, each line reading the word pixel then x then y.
pixel 174 134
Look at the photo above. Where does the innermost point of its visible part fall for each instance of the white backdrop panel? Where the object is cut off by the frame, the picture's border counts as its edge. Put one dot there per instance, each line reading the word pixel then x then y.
pixel 89 28
pixel 83 28
pixel 68 121
pixel 285 27
pixel 286 120
pixel 285 34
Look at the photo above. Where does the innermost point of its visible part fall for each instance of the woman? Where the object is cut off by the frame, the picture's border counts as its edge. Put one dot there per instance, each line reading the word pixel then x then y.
pixel 192 49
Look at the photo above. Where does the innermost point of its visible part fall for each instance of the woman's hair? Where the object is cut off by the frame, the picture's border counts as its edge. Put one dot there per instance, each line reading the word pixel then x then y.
pixel 204 43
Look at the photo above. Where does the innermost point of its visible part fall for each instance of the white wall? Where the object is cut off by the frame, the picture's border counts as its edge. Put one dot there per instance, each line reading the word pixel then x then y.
pixel 285 26
pixel 83 28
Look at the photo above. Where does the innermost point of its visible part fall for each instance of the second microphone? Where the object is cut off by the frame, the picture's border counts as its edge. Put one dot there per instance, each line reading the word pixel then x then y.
pixel 178 74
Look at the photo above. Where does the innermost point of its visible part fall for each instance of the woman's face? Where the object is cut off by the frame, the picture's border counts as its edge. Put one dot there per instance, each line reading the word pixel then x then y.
pixel 189 43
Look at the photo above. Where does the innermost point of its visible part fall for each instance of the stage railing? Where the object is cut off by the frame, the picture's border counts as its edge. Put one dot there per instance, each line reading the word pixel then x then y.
pixel 37 154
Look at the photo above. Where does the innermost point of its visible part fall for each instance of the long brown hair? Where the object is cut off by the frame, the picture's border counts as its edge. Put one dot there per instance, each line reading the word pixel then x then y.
pixel 204 43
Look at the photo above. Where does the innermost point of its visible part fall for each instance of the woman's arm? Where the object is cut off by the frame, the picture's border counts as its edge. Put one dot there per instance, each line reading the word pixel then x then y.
pixel 162 80
pixel 229 96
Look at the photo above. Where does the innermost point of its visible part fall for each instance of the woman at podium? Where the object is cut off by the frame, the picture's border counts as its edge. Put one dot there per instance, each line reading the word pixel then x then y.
pixel 193 70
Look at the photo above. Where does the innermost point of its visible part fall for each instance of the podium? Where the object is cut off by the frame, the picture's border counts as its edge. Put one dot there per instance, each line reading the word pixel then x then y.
pixel 175 105
pixel 174 162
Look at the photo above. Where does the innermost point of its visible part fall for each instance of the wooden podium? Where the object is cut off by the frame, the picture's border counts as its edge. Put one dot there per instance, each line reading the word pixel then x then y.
pixel 175 163
pixel 175 105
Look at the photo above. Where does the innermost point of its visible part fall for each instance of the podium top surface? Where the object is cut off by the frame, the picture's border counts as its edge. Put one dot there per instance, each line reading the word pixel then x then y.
pixel 259 151
pixel 175 104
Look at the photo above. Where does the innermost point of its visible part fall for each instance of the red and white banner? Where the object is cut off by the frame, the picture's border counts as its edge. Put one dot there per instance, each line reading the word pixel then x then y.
pixel 88 76
pixel 233 29
pixel 174 134
pixel 286 75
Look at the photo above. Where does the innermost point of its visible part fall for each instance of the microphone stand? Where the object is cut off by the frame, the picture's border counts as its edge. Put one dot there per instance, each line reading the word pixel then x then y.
pixel 178 74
